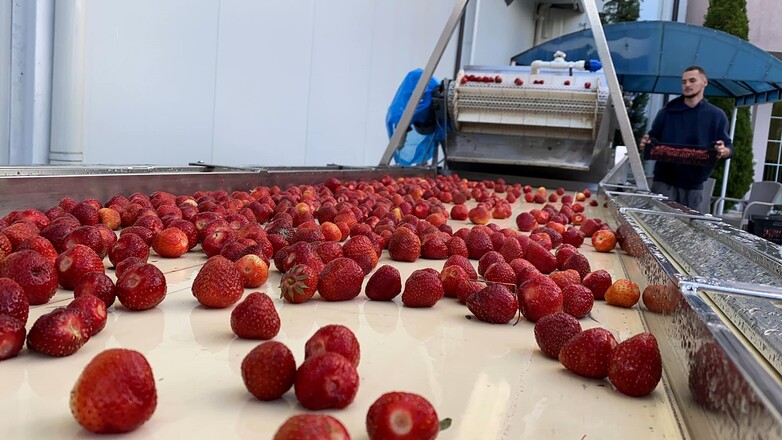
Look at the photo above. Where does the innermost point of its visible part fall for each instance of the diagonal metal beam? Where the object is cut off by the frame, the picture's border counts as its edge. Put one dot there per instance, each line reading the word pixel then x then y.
pixel 418 92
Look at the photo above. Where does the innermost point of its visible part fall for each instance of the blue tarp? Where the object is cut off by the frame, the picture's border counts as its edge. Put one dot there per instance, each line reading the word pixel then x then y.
pixel 650 56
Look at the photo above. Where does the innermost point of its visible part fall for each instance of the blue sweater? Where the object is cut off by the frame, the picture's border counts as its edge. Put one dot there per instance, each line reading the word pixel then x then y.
pixel 678 124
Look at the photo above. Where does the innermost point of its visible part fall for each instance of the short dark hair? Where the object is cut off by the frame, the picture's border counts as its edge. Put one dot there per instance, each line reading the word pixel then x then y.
pixel 698 68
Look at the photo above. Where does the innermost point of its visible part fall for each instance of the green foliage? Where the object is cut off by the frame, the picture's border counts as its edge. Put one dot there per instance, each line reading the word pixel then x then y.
pixel 741 174
pixel 619 11
pixel 731 16
pixel 728 16
pixel 637 114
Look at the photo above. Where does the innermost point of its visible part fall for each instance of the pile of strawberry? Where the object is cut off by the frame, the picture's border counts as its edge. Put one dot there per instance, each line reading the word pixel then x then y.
pixel 323 239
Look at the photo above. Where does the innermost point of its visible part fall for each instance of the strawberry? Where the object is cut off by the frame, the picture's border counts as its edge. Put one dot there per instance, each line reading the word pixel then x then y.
pixel 312 426
pixel 94 311
pixel 326 381
pixel 573 236
pixel 268 370
pixel 218 283
pixel 33 272
pixel 598 282
pixel 524 270
pixel 336 339
pixel 487 260
pixel 564 278
pixel 579 263
pixel 59 333
pixel 623 293
pixel 563 253
pixel 128 245
pixel 501 272
pixel 466 288
pixel 13 301
pixel 89 236
pixel 19 232
pixel 577 300
pixel 636 366
pixel 340 280
pixel 494 304
pixel 588 353
pixel 542 259
pixel 255 317
pixel 298 284
pixel 75 262
pixel 384 285
pixel 658 298
pixel 553 331
pixel 450 276
pixel 123 266
pixel 328 250
pixel 5 246
pixel 41 245
pixel 478 243
pixel 462 262
pixel 141 287
pixel 361 250
pixel 422 289
pixel 254 270
pixel 143 233
pixel 539 297
pixel 457 246
pixel 400 415
pixel 433 247
pixel 115 392
pixel 404 245
pixel 511 250
pixel 171 243
pixel 12 333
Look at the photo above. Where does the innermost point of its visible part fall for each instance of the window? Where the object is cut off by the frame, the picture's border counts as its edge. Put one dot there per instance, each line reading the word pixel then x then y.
pixel 773 164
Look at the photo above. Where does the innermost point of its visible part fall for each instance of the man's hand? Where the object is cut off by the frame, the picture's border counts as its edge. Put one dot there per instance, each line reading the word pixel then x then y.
pixel 722 150
pixel 644 140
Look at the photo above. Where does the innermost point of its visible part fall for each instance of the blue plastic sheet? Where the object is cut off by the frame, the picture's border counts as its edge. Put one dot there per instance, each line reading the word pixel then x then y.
pixel 424 135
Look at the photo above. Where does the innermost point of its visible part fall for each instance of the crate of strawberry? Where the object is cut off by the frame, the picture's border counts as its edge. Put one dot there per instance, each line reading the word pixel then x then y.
pixel 681 154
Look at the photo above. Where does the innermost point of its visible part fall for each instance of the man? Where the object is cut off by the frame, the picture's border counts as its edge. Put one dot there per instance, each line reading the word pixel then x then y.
pixel 688 120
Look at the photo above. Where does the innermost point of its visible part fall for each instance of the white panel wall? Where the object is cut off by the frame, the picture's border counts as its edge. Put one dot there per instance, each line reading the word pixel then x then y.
pixel 149 81
pixel 268 82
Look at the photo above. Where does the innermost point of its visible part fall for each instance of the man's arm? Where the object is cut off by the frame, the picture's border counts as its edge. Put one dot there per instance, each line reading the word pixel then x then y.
pixel 656 130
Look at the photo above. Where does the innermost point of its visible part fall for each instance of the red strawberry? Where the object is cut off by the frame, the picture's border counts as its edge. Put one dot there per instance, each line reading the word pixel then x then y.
pixel 19 232
pixel 328 250
pixel 42 246
pixel 254 270
pixel 89 236
pixel 598 282
pixel 384 285
pixel 75 262
pixel 326 381
pixel 13 301
pixel 123 266
pixel 636 367
pixel 312 426
pixel 336 339
pixel 115 392
pixel 255 317
pixel 433 247
pixel 361 250
pixel 542 259
pixel 33 272
pixel 141 287
pixel 577 300
pixel 563 253
pixel 58 333
pixel 422 289
pixel 399 415
pixel 464 263
pixel 478 243
pixel 565 278
pixel 524 270
pixel 404 245
pixel 12 333
pixel 128 245
pixel 298 284
pixel 540 297
pixel 218 283
pixel 494 303
pixel 5 246
pixel 171 243
pixel 340 280
pixel 553 331
pixel 457 246
pixel 579 263
pixel 94 311
pixel 501 272
pixel 588 353
pixel 487 260
pixel 466 288
pixel 143 233
pixel 511 250
pixel 450 277
pixel 573 236
pixel 268 370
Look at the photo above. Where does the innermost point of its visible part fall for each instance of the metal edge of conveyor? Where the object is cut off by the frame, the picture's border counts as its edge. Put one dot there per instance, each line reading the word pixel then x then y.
pixel 745 400
pixel 43 187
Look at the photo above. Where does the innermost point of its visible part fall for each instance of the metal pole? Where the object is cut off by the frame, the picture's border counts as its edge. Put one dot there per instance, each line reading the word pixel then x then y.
pixel 418 92
pixel 725 173
pixel 616 95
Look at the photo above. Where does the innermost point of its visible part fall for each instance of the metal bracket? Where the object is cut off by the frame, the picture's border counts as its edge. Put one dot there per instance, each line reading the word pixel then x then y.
pixel 212 167
pixel 692 284
pixel 635 194
pixel 707 218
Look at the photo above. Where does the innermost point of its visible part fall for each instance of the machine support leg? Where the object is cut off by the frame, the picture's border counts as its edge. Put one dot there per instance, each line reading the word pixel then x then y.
pixel 616 95
pixel 418 92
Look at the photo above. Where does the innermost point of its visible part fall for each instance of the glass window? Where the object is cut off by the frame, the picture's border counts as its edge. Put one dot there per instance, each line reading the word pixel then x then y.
pixel 775 130
pixel 772 152
pixel 769 172
pixel 777 109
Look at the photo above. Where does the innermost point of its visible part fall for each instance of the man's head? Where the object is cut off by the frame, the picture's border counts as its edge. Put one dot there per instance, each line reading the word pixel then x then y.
pixel 694 82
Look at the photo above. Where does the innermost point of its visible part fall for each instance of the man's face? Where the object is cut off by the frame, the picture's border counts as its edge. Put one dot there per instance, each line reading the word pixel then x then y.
pixel 693 83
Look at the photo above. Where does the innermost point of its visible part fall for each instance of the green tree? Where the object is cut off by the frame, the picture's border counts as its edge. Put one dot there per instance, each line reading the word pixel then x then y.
pixel 618 11
pixel 731 16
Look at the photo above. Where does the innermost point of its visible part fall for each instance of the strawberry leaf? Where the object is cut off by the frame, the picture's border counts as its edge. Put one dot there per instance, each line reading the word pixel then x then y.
pixel 445 423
